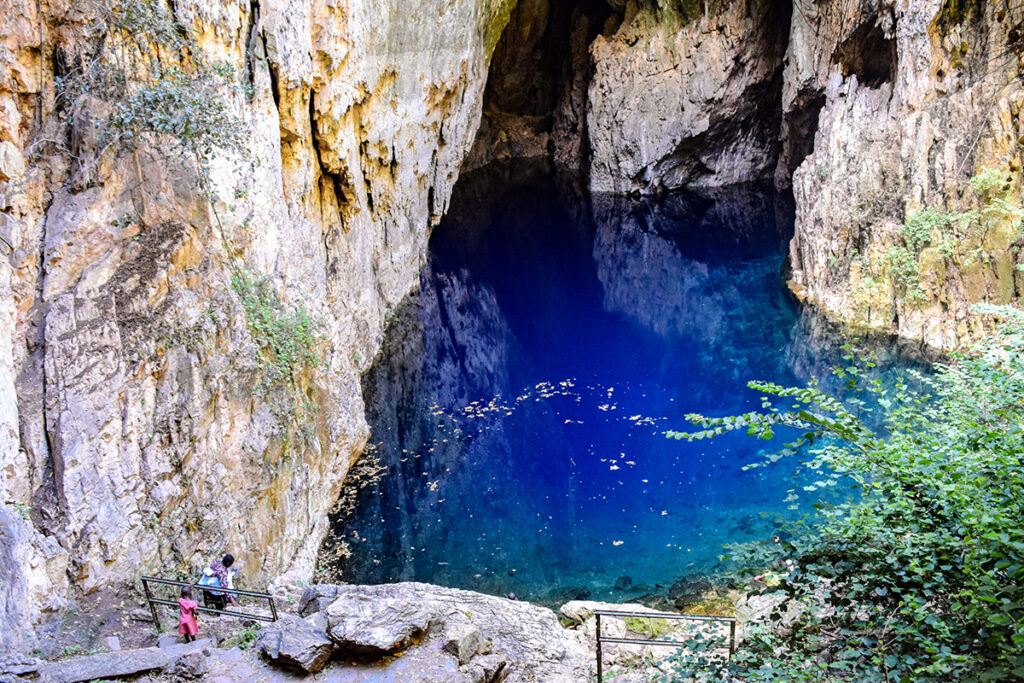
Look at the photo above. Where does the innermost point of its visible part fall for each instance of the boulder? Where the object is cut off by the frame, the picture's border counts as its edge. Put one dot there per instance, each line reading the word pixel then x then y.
pixel 294 643
pixel 187 666
pixel 18 665
pixel 487 669
pixel 579 611
pixel 462 641
pixel 316 598
pixel 452 633
pixel 376 625
pixel 105 665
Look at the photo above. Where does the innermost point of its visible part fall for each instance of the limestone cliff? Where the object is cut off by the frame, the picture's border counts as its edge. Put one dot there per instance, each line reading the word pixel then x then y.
pixel 131 436
pixel 911 100
pixel 896 124
pixel 686 96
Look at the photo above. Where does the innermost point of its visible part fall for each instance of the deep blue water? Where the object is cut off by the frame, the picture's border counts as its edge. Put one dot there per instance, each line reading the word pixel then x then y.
pixel 519 406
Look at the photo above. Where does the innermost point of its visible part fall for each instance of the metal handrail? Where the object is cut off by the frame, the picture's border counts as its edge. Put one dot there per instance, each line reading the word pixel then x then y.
pixel 153 602
pixel 598 613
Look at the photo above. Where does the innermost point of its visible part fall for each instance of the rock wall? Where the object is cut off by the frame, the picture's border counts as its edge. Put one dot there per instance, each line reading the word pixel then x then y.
pixel 889 111
pixel 686 97
pixel 131 438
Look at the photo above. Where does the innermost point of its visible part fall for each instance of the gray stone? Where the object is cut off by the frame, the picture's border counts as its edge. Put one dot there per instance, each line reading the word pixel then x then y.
pixel 105 665
pixel 141 614
pixel 318 620
pixel 487 669
pixel 316 598
pixel 295 643
pixel 462 640
pixel 18 665
pixel 188 665
pixel 433 623
pixel 178 647
pixel 167 640
pixel 112 643
pixel 376 625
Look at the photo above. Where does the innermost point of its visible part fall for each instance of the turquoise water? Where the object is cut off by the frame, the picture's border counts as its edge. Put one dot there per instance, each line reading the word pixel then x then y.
pixel 519 406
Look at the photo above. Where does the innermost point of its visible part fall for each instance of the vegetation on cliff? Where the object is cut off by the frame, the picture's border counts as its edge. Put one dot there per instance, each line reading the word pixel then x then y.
pixel 920 574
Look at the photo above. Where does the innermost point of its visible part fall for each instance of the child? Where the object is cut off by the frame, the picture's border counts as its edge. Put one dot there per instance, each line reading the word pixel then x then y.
pixel 187 625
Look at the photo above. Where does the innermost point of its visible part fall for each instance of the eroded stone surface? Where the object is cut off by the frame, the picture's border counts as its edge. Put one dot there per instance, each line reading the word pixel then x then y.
pixel 896 109
pixel 105 665
pixel 129 423
pixel 523 641
pixel 293 643
pixel 685 99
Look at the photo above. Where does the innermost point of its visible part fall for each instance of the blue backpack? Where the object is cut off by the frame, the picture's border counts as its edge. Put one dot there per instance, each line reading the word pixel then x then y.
pixel 212 580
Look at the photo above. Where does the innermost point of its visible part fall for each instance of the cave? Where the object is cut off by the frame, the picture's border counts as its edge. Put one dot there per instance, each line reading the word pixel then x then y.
pixel 535 98
pixel 518 403
pixel 869 53
pixel 801 125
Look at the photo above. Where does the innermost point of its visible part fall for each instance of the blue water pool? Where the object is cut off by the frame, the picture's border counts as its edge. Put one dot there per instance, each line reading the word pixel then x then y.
pixel 519 404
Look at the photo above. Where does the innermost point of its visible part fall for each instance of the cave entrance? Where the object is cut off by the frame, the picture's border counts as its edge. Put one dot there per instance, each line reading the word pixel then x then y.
pixel 536 95
pixel 870 52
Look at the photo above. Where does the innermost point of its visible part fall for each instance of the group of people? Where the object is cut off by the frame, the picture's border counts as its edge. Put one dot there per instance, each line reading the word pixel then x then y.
pixel 216 582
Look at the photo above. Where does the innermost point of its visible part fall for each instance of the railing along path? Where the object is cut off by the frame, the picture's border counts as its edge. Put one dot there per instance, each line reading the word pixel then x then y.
pixel 153 602
pixel 655 615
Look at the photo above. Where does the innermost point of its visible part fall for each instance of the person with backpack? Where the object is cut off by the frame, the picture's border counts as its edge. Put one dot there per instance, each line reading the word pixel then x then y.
pixel 219 574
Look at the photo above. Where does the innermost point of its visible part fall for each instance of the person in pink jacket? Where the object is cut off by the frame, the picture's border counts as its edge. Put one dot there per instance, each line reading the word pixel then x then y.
pixel 187 624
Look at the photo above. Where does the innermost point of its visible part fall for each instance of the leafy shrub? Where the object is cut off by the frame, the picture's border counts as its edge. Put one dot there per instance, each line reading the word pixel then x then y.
pixel 286 335
pixel 155 79
pixel 920 574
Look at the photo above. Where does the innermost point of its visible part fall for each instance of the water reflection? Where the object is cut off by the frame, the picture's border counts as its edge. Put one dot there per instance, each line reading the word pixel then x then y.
pixel 520 399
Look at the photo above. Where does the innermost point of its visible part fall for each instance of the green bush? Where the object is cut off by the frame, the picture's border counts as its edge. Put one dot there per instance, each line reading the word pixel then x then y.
pixel 287 336
pixel 156 80
pixel 918 576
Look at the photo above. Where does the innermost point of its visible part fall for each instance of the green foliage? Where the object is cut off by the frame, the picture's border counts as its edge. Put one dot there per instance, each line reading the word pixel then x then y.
pixel 920 574
pixel 649 627
pixel 155 79
pixel 248 636
pixel 286 335
pixel 958 235
pixel 904 268
pixel 22 509
pixel 917 231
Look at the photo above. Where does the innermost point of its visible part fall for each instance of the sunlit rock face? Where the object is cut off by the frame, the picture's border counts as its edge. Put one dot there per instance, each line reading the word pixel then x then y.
pixel 683 97
pixel 889 109
pixel 130 433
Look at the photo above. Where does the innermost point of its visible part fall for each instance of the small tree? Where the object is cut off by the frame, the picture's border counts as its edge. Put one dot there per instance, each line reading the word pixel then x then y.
pixel 150 76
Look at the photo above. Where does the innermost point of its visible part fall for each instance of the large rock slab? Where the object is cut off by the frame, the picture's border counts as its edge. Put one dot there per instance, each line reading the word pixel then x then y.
pixel 296 644
pixel 471 636
pixel 105 665
pixel 684 98
pixel 377 624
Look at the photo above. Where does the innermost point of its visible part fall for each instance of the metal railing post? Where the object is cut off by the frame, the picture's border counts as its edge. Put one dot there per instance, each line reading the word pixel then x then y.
pixel 645 641
pixel 152 607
